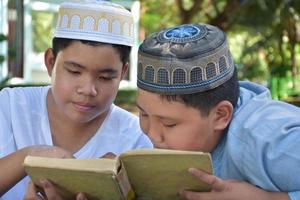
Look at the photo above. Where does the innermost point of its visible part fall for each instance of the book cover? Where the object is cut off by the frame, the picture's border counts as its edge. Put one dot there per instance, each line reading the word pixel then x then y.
pixel 142 174
pixel 97 178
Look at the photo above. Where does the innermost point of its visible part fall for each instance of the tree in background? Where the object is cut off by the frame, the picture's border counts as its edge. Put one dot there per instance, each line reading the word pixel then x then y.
pixel 264 35
pixel 157 14
pixel 42 23
pixel 277 28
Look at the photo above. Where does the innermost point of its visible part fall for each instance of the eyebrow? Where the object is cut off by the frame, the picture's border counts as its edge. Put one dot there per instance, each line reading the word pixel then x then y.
pixel 105 70
pixel 159 116
pixel 137 105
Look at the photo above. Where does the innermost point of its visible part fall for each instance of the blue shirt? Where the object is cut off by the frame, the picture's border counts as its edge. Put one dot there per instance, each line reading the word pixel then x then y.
pixel 262 143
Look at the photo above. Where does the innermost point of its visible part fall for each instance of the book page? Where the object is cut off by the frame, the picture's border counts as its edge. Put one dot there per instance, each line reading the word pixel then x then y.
pixel 97 165
pixel 152 151
pixel 162 174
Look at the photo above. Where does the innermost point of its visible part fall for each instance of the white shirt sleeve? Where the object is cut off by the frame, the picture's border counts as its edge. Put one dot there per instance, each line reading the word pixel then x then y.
pixel 7 142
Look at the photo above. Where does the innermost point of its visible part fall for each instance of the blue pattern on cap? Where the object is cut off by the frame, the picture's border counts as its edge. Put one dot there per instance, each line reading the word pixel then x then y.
pixel 182 32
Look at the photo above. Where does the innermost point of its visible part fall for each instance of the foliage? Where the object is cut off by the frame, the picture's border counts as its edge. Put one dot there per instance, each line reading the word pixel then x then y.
pixel 157 15
pixel 2 38
pixel 42 23
pixel 2 58
pixel 264 35
pixel 126 99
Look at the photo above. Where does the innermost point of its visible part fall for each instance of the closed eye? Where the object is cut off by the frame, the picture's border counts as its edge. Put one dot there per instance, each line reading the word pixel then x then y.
pixel 105 78
pixel 169 125
pixel 73 72
pixel 143 114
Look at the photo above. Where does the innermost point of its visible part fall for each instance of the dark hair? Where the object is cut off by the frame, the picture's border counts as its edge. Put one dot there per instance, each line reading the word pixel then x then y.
pixel 59 44
pixel 205 101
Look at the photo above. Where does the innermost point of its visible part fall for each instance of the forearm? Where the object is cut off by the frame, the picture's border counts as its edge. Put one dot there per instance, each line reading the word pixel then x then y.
pixel 277 196
pixel 261 194
pixel 252 192
pixel 231 189
pixel 12 170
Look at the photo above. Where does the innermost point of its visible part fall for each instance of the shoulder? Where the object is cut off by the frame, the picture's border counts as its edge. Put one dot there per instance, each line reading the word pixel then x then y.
pixel 257 110
pixel 125 125
pixel 123 116
pixel 262 139
pixel 22 97
pixel 122 121
pixel 261 120
pixel 26 92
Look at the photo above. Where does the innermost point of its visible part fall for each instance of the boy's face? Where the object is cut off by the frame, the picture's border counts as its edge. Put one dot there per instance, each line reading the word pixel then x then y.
pixel 173 125
pixel 85 80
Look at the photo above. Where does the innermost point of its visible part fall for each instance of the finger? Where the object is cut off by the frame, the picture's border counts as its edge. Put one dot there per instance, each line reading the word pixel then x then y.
pixel 31 193
pixel 61 153
pixel 81 196
pixel 216 183
pixel 109 155
pixel 194 195
pixel 49 190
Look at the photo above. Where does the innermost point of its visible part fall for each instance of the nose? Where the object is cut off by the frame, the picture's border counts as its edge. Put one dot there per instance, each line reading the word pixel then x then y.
pixel 155 135
pixel 88 88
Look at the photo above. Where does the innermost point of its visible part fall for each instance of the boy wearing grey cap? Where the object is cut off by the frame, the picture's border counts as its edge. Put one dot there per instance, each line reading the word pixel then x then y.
pixel 75 116
pixel 190 99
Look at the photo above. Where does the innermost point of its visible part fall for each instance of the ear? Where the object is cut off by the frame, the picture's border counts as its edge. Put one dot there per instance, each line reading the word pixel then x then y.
pixel 222 115
pixel 49 60
pixel 124 70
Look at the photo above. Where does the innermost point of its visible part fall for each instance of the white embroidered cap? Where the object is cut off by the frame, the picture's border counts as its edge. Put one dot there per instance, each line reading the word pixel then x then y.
pixel 95 20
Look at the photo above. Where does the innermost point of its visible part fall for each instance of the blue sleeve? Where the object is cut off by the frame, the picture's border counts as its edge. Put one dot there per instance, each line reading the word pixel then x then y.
pixel 265 145
pixel 294 195
pixel 273 150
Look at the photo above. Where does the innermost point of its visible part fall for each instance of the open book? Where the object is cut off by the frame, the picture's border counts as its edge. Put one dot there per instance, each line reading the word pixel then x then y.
pixel 144 174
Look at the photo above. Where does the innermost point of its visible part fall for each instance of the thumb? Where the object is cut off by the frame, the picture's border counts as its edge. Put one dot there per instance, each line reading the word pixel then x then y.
pixel 216 183
pixel 81 196
pixel 109 155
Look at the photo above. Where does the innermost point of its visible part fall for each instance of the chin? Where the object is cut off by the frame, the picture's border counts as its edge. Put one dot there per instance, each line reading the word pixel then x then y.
pixel 81 119
pixel 161 146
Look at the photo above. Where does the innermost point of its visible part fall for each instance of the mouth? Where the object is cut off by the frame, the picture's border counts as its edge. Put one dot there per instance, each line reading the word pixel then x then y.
pixel 160 146
pixel 83 106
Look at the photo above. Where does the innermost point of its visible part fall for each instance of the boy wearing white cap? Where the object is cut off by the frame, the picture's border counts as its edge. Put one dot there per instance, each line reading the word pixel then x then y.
pixel 75 116
pixel 190 99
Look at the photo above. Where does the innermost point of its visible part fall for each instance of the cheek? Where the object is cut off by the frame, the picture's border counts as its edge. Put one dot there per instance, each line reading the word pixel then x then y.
pixel 108 91
pixel 184 139
pixel 62 81
pixel 110 87
pixel 106 96
pixel 144 124
pixel 61 88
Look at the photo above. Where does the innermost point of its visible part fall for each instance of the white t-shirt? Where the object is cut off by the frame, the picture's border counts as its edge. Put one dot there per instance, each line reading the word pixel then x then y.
pixel 24 122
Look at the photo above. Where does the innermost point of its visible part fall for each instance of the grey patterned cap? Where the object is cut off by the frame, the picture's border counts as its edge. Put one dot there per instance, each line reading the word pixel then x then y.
pixel 185 59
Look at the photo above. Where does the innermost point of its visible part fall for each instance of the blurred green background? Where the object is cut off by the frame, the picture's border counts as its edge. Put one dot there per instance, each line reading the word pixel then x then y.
pixel 264 37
